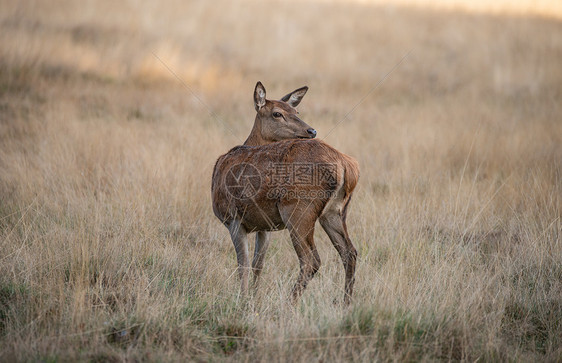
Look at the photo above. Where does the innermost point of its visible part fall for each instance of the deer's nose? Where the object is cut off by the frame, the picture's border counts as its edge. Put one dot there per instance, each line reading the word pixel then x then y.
pixel 311 133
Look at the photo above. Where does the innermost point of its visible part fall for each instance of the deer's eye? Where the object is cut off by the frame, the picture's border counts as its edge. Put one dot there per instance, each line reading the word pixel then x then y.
pixel 277 114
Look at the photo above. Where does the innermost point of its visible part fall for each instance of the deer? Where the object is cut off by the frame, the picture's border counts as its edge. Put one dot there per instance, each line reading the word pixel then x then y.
pixel 284 178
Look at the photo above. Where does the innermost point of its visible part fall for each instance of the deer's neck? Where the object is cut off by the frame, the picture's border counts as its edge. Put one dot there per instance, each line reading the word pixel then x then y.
pixel 255 138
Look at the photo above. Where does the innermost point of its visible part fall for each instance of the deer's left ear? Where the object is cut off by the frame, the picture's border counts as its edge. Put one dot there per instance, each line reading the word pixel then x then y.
pixel 295 97
pixel 259 96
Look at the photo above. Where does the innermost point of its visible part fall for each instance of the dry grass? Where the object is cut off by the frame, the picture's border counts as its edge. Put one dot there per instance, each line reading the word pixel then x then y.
pixel 109 249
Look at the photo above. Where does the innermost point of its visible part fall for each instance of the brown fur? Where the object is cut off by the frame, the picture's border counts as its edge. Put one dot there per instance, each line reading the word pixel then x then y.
pixel 274 140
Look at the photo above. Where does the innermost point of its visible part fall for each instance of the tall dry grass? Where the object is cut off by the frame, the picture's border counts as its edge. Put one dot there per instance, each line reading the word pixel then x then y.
pixel 109 249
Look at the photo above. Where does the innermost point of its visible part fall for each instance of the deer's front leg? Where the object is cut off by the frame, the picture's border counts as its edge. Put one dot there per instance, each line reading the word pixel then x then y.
pixel 240 240
pixel 262 243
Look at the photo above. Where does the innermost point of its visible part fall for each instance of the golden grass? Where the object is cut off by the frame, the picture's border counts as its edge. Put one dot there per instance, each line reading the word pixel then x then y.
pixel 109 249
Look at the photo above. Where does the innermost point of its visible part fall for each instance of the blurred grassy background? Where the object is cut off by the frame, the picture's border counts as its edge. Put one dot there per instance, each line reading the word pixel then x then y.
pixel 109 249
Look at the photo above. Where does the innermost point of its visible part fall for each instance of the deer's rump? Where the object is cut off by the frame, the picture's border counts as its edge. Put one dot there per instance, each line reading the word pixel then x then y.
pixel 252 182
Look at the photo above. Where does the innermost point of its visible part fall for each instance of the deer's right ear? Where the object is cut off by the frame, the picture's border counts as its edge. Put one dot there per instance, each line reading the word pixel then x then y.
pixel 259 96
pixel 295 97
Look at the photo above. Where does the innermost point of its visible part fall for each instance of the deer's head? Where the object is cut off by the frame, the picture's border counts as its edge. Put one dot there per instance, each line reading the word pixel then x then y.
pixel 278 120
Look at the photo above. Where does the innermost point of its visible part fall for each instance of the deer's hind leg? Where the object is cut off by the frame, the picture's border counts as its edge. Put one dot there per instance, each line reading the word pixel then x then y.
pixel 300 223
pixel 333 222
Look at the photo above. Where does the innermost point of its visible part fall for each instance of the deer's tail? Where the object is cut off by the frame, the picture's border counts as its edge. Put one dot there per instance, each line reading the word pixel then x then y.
pixel 350 176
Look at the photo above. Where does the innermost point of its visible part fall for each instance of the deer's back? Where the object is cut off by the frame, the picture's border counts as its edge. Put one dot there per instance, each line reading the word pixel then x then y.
pixel 250 182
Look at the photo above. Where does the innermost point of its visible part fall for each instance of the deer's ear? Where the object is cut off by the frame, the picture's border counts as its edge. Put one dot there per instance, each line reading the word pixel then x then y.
pixel 259 96
pixel 295 97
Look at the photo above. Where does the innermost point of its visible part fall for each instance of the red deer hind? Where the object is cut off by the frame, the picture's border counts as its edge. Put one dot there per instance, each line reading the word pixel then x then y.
pixel 282 178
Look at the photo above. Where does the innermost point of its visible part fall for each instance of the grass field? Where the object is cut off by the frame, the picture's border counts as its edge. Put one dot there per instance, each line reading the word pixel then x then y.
pixel 109 249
